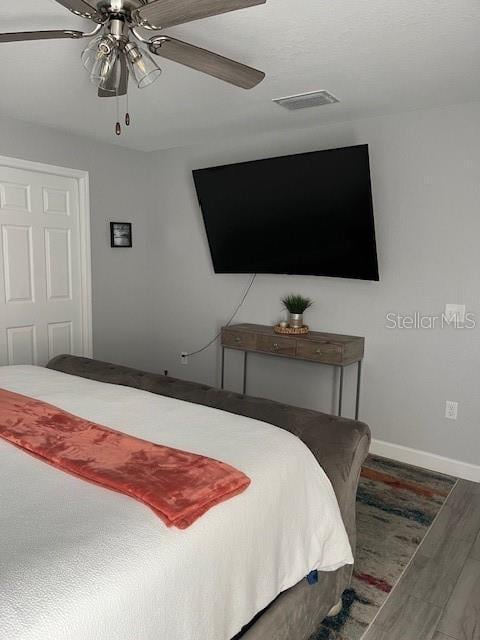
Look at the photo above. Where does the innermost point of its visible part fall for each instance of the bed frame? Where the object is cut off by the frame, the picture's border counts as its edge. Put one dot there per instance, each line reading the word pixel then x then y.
pixel 340 446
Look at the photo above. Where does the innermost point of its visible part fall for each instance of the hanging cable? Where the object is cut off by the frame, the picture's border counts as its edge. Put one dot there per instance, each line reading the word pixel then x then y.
pixel 194 353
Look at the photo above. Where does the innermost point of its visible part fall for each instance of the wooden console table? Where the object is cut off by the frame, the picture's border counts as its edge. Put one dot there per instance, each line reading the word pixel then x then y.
pixel 323 348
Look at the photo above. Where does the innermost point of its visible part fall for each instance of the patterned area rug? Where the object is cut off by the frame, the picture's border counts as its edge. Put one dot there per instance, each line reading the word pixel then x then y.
pixel 396 505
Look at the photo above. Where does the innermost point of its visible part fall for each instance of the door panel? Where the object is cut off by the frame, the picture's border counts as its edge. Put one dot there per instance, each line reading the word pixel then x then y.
pixel 15 197
pixel 60 336
pixel 56 201
pixel 59 264
pixel 40 269
pixel 21 347
pixel 18 263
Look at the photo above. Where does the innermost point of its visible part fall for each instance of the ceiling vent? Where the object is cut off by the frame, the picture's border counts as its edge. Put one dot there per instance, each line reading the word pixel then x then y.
pixel 306 100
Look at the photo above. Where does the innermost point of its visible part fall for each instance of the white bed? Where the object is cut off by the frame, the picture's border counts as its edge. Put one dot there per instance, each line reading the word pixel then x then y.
pixel 78 562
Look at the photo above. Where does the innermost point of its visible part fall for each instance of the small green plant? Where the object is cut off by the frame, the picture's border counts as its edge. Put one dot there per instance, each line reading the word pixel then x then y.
pixel 294 303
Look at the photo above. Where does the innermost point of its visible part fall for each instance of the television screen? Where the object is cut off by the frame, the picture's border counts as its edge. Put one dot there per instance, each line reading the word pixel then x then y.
pixel 308 214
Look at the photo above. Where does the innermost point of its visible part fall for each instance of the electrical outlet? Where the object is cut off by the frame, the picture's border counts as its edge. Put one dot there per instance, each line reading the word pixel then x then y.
pixel 451 410
pixel 184 358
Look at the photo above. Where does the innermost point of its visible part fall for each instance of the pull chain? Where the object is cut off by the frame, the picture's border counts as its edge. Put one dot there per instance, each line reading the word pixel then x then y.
pixel 118 126
pixel 127 114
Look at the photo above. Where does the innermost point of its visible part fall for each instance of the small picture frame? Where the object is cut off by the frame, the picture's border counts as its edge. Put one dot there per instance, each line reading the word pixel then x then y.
pixel 120 234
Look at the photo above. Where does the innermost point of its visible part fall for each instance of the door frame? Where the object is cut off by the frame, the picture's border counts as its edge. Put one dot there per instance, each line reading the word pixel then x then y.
pixel 83 181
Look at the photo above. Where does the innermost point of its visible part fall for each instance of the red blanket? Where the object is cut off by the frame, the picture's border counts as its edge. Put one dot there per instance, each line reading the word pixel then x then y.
pixel 179 486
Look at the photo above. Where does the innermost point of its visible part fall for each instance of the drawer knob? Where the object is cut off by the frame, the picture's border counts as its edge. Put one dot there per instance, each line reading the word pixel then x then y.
pixel 237 339
pixel 318 351
pixel 275 346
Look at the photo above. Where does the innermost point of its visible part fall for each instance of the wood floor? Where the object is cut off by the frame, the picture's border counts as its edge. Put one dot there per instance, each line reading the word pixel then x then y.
pixel 438 597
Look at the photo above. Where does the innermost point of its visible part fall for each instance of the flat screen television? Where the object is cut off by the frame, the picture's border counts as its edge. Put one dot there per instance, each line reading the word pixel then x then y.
pixel 306 214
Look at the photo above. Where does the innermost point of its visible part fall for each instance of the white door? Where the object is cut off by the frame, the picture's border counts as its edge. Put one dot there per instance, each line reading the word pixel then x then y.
pixel 42 271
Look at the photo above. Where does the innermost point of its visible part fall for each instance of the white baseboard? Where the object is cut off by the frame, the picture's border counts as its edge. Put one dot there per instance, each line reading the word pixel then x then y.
pixel 426 460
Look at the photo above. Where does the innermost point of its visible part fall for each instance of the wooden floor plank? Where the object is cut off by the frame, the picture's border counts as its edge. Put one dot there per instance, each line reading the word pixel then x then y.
pixel 438 576
pixel 475 552
pixel 465 486
pixel 461 489
pixel 376 632
pixel 417 619
pixel 467 527
pixel 470 487
pixel 461 616
pixel 404 588
pixel 460 519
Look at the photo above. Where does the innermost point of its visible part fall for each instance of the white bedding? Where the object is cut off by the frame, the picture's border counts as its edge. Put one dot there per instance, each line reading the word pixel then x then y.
pixel 79 562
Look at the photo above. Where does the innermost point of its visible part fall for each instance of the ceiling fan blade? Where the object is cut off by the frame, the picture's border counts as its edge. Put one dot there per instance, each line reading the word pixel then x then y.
pixel 39 35
pixel 167 13
pixel 82 8
pixel 207 62
pixel 122 84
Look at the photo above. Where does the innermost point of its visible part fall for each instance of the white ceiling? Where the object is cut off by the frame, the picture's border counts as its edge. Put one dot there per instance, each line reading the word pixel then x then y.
pixel 377 56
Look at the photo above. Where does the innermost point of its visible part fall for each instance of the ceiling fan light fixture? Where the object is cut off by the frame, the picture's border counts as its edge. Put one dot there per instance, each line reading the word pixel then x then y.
pixel 90 53
pixel 111 56
pixel 141 65
pixel 100 45
pixel 103 69
pixel 112 80
pixel 99 59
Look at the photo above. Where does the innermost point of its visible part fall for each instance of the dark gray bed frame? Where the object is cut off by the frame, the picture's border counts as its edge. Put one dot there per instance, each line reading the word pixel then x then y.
pixel 340 446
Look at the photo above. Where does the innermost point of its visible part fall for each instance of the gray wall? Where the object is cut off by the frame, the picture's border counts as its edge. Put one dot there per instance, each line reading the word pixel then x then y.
pixel 426 182
pixel 161 297
pixel 119 190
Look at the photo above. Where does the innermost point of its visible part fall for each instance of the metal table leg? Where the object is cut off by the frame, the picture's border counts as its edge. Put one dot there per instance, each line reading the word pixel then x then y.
pixel 340 393
pixel 359 379
pixel 222 375
pixel 245 372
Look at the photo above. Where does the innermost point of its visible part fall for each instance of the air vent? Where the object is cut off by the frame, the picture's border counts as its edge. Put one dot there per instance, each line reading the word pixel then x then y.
pixel 307 100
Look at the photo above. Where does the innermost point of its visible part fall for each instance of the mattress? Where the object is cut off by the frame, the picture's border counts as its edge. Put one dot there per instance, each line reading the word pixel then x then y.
pixel 79 562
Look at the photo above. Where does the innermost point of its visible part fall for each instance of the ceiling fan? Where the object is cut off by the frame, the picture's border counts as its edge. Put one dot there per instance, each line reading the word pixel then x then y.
pixel 113 53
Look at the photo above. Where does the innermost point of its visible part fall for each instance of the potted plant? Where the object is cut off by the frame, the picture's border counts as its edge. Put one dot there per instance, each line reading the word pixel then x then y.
pixel 296 305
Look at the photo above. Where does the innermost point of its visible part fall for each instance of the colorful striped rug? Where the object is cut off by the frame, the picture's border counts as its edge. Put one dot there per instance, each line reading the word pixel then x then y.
pixel 396 505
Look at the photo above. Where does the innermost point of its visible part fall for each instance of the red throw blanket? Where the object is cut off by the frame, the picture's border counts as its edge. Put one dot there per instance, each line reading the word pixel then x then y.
pixel 179 486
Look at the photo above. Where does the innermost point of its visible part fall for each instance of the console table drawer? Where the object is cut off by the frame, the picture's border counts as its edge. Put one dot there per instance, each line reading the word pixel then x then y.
pixel 274 344
pixel 239 339
pixel 319 351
